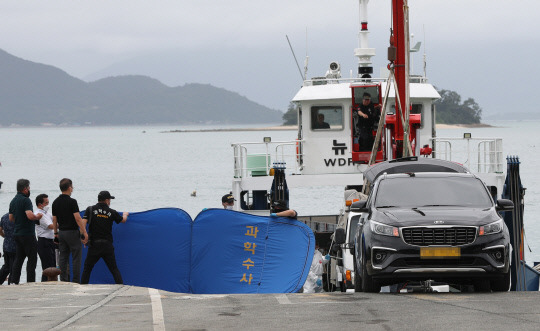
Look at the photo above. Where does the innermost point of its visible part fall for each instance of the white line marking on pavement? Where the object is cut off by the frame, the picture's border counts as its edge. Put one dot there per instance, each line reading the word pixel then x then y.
pixel 157 309
pixel 90 309
pixel 72 307
pixel 282 299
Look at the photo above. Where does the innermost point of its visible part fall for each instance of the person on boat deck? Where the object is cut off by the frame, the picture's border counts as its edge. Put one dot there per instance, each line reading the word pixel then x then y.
pixel 280 209
pixel 368 117
pixel 22 213
pixel 100 218
pixel 45 234
pixel 6 230
pixel 68 227
pixel 321 124
pixel 228 201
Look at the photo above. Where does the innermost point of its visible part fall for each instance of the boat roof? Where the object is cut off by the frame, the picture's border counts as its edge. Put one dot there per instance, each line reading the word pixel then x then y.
pixel 343 91
pixel 412 164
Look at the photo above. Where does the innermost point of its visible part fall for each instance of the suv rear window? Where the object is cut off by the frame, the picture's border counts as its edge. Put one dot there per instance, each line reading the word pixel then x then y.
pixel 430 191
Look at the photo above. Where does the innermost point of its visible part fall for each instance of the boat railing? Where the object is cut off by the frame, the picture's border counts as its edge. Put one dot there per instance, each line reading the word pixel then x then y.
pixel 324 81
pixel 481 155
pixel 252 159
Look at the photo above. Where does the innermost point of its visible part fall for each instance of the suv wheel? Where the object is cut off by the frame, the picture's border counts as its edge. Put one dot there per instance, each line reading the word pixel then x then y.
pixel 368 284
pixel 357 280
pixel 501 285
pixel 482 286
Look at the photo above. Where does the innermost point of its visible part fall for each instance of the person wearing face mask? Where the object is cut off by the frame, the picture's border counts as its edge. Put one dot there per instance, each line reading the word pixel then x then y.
pixel 21 212
pixel 228 201
pixel 45 234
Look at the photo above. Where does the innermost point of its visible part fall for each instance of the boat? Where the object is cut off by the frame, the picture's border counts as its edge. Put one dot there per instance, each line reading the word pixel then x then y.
pixel 328 150
pixel 332 157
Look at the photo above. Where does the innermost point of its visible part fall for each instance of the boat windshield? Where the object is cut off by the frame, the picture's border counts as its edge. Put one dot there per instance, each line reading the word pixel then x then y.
pixel 426 192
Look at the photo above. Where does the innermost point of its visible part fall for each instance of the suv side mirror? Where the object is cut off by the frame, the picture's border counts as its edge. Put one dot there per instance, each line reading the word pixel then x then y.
pixel 504 204
pixel 359 206
pixel 339 236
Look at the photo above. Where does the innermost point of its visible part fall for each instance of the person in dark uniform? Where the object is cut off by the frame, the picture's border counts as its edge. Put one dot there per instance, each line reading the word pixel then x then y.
pixel 368 117
pixel 228 201
pixel 100 218
pixel 21 212
pixel 280 209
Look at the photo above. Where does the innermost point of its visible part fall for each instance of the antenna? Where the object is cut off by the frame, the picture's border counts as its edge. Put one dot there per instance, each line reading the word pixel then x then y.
pixel 307 58
pixel 295 60
pixel 424 31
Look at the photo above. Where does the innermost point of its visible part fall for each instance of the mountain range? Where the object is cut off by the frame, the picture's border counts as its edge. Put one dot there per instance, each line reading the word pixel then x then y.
pixel 38 94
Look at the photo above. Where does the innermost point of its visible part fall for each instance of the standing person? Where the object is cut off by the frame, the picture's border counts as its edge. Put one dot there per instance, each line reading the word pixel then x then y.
pixel 100 218
pixel 68 226
pixel 45 234
pixel 280 209
pixel 228 201
pixel 21 212
pixel 368 115
pixel 6 230
pixel 314 282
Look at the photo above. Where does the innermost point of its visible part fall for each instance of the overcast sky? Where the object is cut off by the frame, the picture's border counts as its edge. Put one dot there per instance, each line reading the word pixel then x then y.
pixel 482 49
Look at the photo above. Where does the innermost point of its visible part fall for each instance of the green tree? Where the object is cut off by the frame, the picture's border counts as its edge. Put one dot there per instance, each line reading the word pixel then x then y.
pixel 450 110
pixel 291 117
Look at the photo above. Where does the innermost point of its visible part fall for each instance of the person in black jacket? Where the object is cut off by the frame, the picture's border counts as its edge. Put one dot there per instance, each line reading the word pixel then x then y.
pixel 100 218
pixel 368 117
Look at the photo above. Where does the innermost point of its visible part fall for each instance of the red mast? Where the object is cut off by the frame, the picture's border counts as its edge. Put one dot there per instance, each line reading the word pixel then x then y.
pixel 401 67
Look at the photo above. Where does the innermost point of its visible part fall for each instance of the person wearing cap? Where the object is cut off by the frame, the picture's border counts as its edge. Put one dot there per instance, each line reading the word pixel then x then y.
pixel 368 116
pixel 280 209
pixel 100 218
pixel 70 230
pixel 228 201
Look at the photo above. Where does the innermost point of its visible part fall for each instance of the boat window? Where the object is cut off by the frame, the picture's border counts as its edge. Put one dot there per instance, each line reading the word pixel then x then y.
pixel 409 192
pixel 324 118
pixel 359 92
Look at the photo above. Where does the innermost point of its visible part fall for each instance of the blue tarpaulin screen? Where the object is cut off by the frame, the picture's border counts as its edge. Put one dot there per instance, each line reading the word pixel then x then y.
pixel 234 252
pixel 220 251
pixel 152 249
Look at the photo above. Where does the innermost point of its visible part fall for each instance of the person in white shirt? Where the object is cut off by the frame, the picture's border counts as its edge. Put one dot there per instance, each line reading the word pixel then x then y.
pixel 45 233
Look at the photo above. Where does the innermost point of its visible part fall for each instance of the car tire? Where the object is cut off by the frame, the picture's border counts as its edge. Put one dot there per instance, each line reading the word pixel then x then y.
pixel 501 285
pixel 368 284
pixel 329 286
pixel 343 286
pixel 482 286
pixel 357 280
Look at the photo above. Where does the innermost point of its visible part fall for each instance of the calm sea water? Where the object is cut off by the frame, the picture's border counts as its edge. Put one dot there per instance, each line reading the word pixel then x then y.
pixel 149 167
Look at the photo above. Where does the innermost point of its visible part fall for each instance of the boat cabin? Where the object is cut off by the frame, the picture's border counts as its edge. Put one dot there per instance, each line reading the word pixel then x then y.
pixel 334 146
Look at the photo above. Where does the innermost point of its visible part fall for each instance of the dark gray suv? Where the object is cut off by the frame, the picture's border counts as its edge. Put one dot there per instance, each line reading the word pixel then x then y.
pixel 442 226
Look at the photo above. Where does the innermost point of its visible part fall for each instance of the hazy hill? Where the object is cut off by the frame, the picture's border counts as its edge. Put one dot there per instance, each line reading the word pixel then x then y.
pixel 33 93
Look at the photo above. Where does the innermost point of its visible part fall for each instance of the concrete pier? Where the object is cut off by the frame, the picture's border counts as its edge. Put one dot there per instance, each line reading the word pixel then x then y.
pixel 65 306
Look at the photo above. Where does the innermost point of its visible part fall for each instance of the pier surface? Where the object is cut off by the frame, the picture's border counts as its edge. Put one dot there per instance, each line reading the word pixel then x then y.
pixel 59 306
